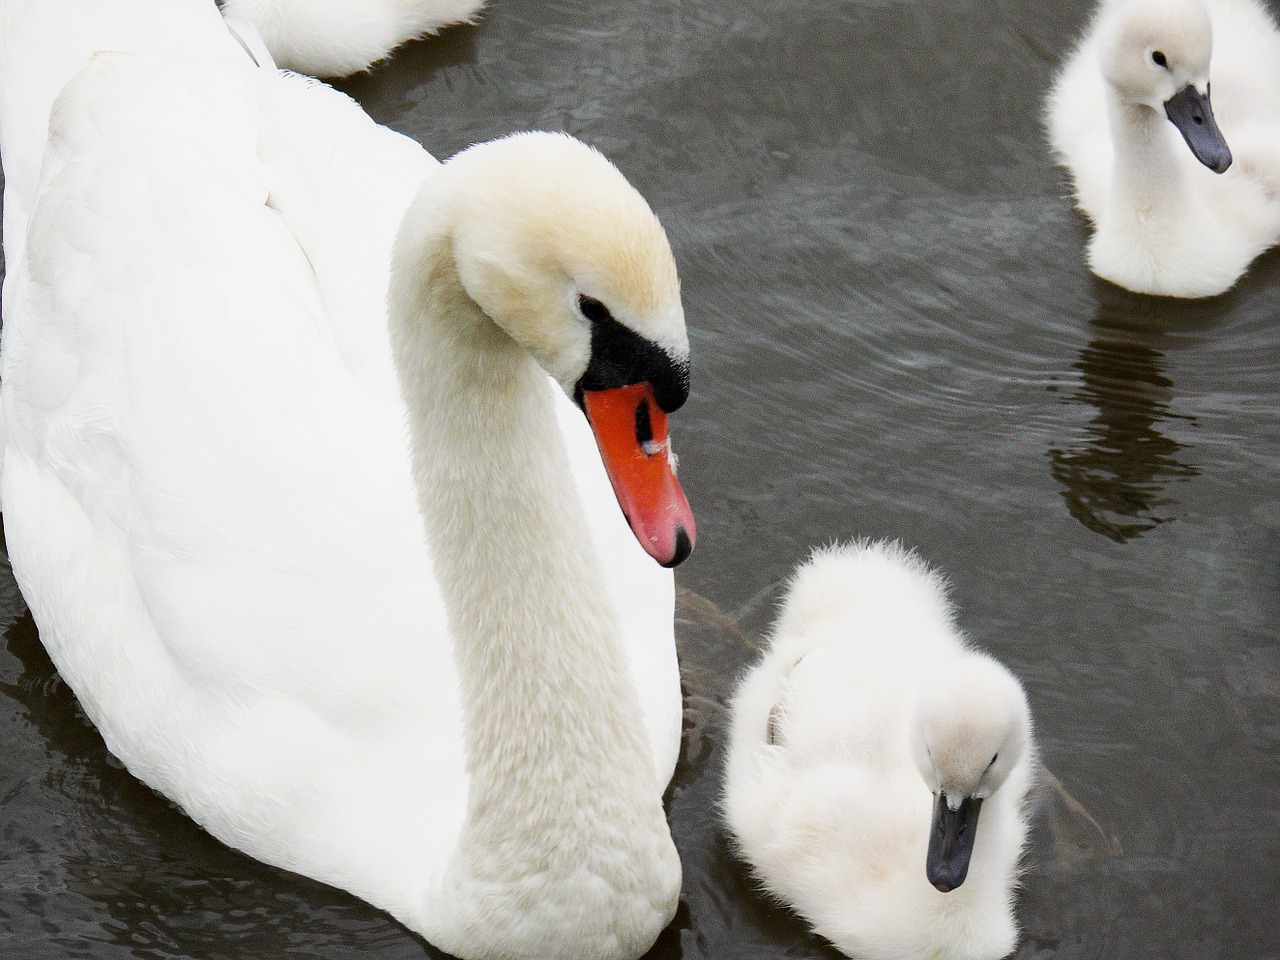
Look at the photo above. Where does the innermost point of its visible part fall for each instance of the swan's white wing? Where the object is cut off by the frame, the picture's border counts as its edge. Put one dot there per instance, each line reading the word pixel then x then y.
pixel 42 44
pixel 206 488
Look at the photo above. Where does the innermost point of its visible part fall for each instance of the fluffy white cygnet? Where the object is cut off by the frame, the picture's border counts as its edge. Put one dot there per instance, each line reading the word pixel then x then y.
pixel 878 765
pixel 1183 192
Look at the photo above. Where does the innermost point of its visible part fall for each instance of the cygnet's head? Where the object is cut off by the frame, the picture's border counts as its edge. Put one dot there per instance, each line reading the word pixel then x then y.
pixel 1157 53
pixel 973 727
pixel 560 252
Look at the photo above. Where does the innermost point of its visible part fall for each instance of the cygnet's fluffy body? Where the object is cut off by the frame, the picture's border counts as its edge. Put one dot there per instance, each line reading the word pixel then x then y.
pixel 1183 189
pixel 868 725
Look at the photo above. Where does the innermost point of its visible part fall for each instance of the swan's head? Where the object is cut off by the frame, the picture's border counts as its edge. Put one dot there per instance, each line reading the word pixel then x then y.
pixel 1156 53
pixel 973 727
pixel 561 252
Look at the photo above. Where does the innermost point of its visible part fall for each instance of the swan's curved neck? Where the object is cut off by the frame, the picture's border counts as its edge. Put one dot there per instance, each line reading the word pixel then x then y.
pixel 562 786
pixel 1148 176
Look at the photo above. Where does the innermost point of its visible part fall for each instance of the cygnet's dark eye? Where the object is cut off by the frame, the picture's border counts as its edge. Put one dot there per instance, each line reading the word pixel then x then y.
pixel 993 760
pixel 1159 59
pixel 593 309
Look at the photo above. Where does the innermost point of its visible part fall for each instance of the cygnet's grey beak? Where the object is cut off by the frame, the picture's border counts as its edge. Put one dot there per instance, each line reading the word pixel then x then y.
pixel 951 842
pixel 1191 114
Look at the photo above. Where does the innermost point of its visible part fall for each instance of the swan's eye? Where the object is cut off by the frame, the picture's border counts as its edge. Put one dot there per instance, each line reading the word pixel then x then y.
pixel 593 309
pixel 1159 59
pixel 993 760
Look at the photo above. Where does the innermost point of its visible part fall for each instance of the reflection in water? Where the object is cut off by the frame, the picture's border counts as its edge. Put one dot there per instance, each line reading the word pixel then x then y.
pixel 1113 480
pixel 47 704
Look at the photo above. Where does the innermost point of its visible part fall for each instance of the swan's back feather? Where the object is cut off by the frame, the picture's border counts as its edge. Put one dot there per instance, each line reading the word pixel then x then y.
pixel 35 69
pixel 135 481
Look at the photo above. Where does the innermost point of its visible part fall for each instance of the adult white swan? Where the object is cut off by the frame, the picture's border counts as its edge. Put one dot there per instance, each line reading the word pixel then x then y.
pixel 429 665
pixel 878 766
pixel 333 38
pixel 1183 194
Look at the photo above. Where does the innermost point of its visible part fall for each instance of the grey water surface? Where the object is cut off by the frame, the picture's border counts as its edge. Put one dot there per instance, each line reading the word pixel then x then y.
pixel 894 335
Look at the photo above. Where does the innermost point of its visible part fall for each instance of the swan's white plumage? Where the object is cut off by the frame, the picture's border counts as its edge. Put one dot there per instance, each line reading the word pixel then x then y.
pixel 334 38
pixel 825 793
pixel 1163 222
pixel 207 492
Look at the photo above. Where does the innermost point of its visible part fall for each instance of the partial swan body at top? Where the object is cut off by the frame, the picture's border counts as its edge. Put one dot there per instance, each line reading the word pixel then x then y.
pixel 878 765
pixel 300 491
pixel 1183 189
pixel 334 38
